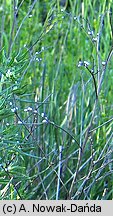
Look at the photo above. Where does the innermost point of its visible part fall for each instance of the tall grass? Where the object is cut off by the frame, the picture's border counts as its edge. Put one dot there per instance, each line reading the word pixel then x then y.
pixel 56 138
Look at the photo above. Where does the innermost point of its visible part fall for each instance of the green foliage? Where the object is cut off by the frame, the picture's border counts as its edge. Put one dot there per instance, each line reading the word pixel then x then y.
pixel 56 99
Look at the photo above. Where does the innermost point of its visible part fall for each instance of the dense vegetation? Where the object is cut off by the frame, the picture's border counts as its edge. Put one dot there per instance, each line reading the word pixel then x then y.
pixel 56 111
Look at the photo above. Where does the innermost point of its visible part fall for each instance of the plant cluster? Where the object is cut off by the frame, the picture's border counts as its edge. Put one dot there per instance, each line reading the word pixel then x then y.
pixel 56 111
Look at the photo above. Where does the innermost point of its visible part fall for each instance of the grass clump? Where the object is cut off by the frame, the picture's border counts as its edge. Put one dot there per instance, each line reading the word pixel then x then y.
pixel 56 100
